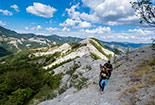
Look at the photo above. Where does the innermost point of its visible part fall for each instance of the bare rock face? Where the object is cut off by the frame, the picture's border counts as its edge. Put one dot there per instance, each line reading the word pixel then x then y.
pixel 84 48
pixel 127 85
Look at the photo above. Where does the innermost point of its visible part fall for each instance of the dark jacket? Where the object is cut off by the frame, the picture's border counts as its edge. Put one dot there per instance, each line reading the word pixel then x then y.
pixel 109 66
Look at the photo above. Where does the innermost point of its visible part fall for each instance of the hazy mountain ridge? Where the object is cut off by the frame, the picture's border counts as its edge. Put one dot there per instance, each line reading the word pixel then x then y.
pixel 123 46
pixel 13 42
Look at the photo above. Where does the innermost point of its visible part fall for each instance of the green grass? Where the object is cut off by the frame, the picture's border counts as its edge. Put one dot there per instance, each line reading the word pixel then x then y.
pixel 144 70
pixel 72 69
pixel 95 56
pixel 80 83
pixel 100 49
pixel 99 42
pixel 45 93
pixel 74 47
pixel 62 89
pixel 58 65
pixel 88 67
pixel 75 76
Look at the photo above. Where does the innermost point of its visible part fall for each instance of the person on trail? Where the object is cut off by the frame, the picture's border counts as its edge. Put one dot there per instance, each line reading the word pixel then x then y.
pixel 109 67
pixel 103 78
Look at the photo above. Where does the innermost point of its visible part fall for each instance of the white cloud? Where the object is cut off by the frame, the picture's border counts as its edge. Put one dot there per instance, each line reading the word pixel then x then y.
pixel 132 35
pixel 15 7
pixel 6 12
pixel 69 22
pixel 141 31
pixel 84 24
pixel 72 13
pixel 36 28
pixel 2 23
pixel 26 28
pixel 112 12
pixel 65 29
pixel 50 29
pixel 76 23
pixel 39 27
pixel 88 17
pixel 41 10
pixel 98 30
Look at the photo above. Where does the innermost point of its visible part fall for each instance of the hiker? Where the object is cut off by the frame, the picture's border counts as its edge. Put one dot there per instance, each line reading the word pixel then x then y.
pixel 109 67
pixel 103 78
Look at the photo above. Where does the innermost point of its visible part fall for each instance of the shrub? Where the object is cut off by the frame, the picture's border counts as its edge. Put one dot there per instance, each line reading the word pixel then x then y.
pixel 95 56
pixel 57 65
pixel 62 90
pixel 99 49
pixel 20 96
pixel 99 42
pixel 81 82
pixel 72 69
pixel 53 80
pixel 75 76
pixel 43 92
pixel 88 67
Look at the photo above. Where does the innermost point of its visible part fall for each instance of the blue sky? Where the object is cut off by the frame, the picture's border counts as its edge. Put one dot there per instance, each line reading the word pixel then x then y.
pixel 107 20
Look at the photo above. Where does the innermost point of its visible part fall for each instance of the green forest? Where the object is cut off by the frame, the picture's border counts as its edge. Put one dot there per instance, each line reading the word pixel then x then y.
pixel 23 79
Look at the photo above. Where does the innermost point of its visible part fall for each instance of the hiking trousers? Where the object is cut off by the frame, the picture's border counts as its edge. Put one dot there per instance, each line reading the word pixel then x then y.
pixel 102 83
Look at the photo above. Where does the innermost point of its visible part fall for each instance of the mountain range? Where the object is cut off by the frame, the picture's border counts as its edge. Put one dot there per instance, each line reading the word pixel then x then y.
pixel 68 74
pixel 38 73
pixel 11 41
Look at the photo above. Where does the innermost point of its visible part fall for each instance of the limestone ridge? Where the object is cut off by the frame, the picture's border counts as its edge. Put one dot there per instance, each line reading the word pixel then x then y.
pixel 84 47
pixel 132 81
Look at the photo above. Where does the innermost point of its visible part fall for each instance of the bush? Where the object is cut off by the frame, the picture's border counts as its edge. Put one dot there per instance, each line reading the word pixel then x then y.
pixel 99 42
pixel 20 96
pixel 62 90
pixel 72 69
pixel 99 49
pixel 88 67
pixel 81 82
pixel 75 76
pixel 95 56
pixel 57 65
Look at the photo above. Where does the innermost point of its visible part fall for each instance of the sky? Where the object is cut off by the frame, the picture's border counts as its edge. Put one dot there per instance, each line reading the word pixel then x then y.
pixel 106 20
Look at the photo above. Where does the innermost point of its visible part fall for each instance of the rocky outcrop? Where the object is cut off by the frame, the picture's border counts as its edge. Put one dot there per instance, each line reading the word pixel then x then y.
pixel 84 48
pixel 127 85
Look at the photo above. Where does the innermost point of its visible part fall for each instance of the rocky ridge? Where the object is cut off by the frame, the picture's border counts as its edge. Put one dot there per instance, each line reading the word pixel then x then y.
pixel 128 85
pixel 82 48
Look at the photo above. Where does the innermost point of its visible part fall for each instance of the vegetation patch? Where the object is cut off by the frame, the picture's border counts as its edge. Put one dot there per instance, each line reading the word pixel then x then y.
pixel 74 47
pixel 99 42
pixel 58 65
pixel 117 66
pixel 80 83
pixel 94 56
pixel 48 58
pixel 62 89
pixel 72 69
pixel 20 96
pixel 100 49
pixel 21 79
pixel 144 70
pixel 144 76
pixel 88 67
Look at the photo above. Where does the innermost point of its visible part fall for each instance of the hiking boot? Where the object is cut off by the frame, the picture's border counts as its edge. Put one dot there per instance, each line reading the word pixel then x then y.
pixel 102 92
